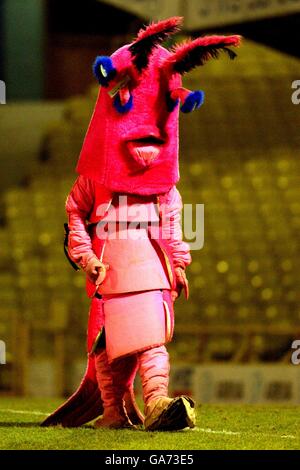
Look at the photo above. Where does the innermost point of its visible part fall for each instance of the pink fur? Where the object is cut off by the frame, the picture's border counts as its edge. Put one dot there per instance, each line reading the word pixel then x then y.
pixel 155 28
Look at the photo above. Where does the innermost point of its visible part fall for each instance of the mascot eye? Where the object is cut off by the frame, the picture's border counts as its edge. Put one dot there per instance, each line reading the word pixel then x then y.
pixel 123 101
pixel 193 101
pixel 122 96
pixel 190 100
pixel 104 70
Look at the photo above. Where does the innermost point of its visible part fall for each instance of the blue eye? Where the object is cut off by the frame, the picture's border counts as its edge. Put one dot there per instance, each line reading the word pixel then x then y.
pixel 104 70
pixel 193 101
pixel 123 108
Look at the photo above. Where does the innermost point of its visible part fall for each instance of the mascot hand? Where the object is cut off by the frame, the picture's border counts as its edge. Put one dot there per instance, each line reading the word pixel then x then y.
pixel 174 295
pixel 181 282
pixel 96 270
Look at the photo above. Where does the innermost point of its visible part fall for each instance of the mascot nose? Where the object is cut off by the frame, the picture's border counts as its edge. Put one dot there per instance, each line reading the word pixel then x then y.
pixel 144 154
pixel 145 150
pixel 147 154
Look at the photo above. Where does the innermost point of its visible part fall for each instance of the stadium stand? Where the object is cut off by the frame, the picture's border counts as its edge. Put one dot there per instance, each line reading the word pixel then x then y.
pixel 238 158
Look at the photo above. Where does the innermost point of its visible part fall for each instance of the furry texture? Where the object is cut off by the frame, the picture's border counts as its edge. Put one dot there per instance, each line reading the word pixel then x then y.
pixel 191 54
pixel 151 36
pixel 107 156
pixel 104 64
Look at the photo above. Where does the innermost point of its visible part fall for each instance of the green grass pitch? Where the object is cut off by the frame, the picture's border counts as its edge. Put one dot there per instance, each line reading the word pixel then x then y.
pixel 218 427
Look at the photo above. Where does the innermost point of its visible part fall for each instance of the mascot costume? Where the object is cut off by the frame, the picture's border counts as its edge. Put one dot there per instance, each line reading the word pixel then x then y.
pixel 124 230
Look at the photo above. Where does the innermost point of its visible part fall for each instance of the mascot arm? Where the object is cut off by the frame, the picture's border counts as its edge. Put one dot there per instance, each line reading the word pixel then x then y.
pixel 78 206
pixel 172 230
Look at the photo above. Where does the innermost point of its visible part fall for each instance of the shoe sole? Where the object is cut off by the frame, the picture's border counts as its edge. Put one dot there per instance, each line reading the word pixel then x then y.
pixel 178 415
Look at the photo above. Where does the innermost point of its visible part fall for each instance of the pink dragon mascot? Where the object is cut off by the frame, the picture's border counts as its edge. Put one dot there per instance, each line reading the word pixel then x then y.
pixel 125 233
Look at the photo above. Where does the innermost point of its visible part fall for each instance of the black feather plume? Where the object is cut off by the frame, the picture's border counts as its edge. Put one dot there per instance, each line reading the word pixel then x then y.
pixel 151 37
pixel 196 53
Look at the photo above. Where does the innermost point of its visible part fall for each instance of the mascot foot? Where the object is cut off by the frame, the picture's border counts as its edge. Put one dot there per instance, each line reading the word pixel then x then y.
pixel 114 418
pixel 167 414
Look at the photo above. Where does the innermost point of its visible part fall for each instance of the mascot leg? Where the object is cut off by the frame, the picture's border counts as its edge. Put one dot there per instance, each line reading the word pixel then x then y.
pixel 113 387
pixel 162 413
pixel 124 372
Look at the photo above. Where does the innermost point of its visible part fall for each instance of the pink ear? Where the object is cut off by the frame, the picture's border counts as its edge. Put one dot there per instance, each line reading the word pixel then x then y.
pixel 191 54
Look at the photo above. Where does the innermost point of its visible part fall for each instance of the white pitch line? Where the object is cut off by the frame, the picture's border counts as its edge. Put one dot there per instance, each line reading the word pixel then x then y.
pixel 235 433
pixel 23 412
pixel 212 431
pixel 204 430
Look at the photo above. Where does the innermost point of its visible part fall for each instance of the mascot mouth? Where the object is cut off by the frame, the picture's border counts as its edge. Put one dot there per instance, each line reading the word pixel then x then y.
pixel 145 150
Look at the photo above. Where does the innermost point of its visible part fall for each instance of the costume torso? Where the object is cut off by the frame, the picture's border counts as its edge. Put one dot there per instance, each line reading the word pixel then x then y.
pixel 133 260
pixel 134 263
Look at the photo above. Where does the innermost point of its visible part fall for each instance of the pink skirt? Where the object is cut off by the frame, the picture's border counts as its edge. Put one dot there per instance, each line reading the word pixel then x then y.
pixel 135 322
